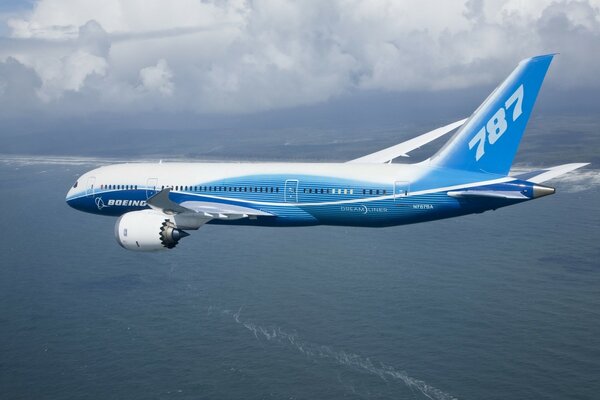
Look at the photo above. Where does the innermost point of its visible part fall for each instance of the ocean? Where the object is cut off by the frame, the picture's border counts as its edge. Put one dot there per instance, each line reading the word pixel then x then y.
pixel 504 304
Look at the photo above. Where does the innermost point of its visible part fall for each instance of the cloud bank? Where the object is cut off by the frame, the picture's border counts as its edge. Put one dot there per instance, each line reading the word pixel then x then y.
pixel 85 56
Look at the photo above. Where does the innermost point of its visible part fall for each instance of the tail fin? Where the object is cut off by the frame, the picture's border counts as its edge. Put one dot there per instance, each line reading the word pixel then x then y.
pixel 489 140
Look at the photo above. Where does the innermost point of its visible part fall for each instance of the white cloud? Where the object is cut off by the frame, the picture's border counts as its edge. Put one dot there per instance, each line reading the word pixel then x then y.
pixel 158 78
pixel 68 73
pixel 244 56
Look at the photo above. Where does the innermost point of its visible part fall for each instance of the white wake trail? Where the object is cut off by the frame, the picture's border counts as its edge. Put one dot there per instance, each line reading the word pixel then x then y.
pixel 312 350
pixel 572 182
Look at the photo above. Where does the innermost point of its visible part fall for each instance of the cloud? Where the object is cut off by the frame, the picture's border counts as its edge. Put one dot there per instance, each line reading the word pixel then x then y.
pixel 245 56
pixel 18 88
pixel 158 78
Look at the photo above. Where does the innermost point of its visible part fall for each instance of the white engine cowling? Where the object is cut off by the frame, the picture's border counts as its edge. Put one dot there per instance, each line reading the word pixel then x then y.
pixel 147 230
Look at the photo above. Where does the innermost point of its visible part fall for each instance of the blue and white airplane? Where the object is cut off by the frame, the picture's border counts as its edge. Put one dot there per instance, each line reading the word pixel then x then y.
pixel 157 203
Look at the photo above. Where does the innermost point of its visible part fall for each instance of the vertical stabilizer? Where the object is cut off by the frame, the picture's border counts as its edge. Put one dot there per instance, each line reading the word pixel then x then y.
pixel 490 138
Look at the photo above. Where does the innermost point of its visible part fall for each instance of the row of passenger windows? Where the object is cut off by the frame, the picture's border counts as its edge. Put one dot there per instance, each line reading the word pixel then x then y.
pixel 255 189
pixel 119 187
pixel 328 191
pixel 252 189
pixel 342 191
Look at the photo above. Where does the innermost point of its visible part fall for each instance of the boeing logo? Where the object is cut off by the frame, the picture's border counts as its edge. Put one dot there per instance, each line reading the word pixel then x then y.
pixel 119 202
pixel 127 203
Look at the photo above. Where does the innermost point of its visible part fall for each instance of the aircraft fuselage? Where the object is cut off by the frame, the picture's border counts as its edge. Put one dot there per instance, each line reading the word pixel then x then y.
pixel 300 193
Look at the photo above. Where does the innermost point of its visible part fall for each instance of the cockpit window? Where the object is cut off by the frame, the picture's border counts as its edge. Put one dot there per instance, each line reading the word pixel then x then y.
pixel 75 185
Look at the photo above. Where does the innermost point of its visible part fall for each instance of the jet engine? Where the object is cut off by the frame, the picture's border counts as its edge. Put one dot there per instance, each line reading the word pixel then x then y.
pixel 147 230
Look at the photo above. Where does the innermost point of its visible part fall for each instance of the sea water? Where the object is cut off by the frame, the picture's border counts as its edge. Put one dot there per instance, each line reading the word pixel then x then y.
pixel 504 304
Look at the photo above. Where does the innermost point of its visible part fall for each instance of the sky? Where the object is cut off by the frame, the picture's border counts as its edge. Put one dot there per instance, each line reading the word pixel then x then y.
pixel 74 60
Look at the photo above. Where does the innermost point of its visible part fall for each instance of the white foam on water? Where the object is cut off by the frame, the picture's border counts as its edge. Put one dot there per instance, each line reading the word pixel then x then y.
pixel 579 181
pixel 571 182
pixel 26 160
pixel 355 361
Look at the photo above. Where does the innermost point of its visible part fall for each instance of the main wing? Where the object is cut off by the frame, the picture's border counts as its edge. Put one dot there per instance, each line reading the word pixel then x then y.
pixel 401 150
pixel 201 211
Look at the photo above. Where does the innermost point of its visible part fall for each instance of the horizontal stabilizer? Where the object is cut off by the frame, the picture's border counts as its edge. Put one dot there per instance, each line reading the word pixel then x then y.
pixel 543 175
pixel 512 195
pixel 401 150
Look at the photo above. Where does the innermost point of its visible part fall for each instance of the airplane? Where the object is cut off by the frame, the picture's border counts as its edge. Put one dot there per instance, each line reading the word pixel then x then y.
pixel 157 203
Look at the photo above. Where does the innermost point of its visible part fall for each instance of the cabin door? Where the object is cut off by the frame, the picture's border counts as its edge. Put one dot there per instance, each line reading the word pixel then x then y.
pixel 291 191
pixel 89 186
pixel 401 189
pixel 151 187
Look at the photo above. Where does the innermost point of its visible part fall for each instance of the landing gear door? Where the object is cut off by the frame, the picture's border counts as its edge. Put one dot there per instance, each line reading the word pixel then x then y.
pixel 151 187
pixel 401 189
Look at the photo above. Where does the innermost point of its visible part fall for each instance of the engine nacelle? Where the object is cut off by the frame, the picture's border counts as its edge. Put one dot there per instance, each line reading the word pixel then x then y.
pixel 147 230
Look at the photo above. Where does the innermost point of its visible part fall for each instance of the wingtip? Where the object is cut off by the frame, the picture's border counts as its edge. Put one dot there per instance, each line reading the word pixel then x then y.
pixel 540 57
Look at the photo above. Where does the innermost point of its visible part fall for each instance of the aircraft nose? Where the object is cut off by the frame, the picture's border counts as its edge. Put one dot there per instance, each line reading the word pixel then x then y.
pixel 69 198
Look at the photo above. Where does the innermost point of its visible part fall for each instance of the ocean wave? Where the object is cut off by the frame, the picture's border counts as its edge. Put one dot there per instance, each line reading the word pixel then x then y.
pixel 579 181
pixel 316 351
pixel 55 160
pixel 572 182
pixel 27 160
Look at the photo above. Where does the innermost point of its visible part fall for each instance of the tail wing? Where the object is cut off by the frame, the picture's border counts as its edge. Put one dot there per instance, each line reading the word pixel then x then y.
pixel 543 175
pixel 489 140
